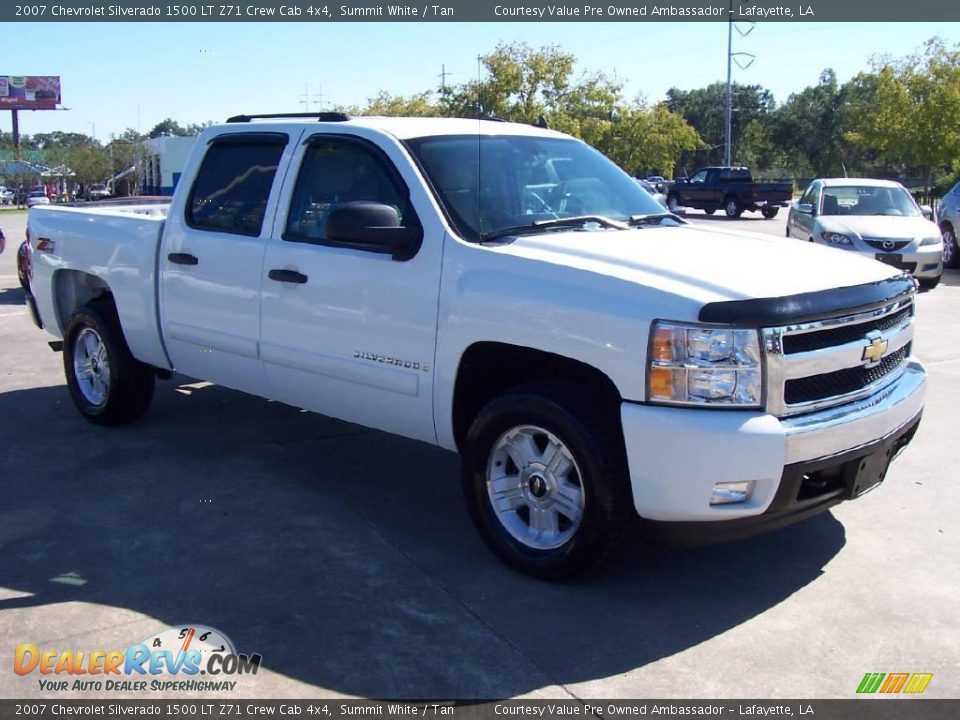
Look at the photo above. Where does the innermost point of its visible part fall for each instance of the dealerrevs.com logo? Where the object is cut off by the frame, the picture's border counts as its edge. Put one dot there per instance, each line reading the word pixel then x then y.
pixel 894 683
pixel 186 658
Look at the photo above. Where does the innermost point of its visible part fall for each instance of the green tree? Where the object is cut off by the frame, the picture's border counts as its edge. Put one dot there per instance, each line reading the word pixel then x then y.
pixel 909 122
pixel 705 109
pixel 419 105
pixel 89 164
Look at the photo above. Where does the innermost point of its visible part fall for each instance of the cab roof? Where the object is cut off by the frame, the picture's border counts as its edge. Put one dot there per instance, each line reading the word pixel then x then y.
pixel 402 128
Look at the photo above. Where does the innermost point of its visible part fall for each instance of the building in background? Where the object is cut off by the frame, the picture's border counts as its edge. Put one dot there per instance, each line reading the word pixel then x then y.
pixel 164 160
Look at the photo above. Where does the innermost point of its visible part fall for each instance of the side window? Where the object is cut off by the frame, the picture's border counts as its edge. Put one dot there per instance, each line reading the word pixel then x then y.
pixel 699 177
pixel 233 184
pixel 335 171
pixel 808 196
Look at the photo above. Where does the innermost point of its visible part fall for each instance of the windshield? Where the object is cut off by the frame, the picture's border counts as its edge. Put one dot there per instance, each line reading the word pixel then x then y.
pixel 868 200
pixel 491 184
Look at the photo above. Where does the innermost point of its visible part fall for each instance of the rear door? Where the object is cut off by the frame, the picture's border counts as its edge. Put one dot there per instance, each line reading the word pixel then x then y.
pixel 345 331
pixel 211 258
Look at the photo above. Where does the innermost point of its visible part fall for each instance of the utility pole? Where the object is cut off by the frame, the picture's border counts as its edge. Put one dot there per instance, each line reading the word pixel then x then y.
pixel 307 102
pixel 729 118
pixel 443 79
pixel 733 57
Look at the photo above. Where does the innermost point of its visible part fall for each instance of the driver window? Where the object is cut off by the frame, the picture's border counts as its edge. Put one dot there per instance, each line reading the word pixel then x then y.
pixel 699 177
pixel 334 172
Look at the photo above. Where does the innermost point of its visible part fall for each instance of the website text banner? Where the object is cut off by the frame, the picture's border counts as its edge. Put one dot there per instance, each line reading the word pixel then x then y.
pixel 484 11
pixel 230 707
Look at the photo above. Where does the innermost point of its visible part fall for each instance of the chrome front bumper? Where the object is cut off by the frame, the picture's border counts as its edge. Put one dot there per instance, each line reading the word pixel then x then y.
pixel 840 429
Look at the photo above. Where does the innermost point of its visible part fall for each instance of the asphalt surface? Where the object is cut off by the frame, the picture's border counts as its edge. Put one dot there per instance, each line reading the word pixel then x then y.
pixel 345 557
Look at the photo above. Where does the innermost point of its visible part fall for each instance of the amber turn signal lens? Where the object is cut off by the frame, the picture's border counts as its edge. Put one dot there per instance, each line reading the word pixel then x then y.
pixel 663 345
pixel 661 383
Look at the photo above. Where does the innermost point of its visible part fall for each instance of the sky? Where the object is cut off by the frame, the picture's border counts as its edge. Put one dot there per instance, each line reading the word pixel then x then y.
pixel 133 75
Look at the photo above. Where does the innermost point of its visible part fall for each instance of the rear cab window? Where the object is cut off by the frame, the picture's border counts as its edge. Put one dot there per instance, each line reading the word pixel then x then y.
pixel 233 183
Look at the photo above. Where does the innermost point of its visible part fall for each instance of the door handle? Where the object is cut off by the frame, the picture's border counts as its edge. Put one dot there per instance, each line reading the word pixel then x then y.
pixel 290 276
pixel 182 258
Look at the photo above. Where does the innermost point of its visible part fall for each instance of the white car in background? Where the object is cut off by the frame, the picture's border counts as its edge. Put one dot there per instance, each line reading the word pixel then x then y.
pixel 876 218
pixel 37 197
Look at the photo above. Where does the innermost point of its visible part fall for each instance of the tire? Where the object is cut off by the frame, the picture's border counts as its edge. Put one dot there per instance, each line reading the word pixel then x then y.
pixel 769 212
pixel 563 488
pixel 711 211
pixel 731 206
pixel 951 252
pixel 929 283
pixel 107 384
pixel 673 202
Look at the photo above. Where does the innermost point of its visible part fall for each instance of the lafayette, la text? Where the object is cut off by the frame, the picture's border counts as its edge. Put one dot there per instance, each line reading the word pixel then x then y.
pixel 651 11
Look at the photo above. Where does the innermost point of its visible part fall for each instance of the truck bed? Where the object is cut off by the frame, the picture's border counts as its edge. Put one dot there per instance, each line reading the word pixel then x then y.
pixel 118 242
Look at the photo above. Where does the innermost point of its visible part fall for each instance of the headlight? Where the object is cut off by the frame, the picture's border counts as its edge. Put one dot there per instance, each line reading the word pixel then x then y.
pixel 836 238
pixel 696 365
pixel 931 241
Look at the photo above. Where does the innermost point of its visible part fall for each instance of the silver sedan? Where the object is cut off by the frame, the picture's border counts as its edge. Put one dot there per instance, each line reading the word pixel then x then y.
pixel 877 218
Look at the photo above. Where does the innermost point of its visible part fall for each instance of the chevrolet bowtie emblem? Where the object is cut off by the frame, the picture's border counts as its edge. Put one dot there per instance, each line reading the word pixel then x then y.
pixel 873 352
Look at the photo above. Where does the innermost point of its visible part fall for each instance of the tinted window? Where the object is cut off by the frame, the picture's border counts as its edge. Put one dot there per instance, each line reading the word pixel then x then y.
pixel 336 171
pixel 490 183
pixel 232 187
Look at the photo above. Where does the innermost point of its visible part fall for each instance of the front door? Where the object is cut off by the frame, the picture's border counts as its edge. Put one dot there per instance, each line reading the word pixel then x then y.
pixel 345 331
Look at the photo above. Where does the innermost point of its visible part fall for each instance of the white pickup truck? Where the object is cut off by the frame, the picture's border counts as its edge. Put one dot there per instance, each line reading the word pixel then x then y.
pixel 507 292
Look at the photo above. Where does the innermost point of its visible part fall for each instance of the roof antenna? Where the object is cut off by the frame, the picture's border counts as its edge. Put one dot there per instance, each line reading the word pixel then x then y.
pixel 479 153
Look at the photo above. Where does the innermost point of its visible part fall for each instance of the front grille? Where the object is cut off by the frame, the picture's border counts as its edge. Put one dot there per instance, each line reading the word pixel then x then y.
pixel 843 334
pixel 893 246
pixel 821 363
pixel 842 382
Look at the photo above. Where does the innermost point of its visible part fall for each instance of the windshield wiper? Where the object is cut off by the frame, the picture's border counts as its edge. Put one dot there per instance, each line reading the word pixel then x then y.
pixel 654 219
pixel 540 225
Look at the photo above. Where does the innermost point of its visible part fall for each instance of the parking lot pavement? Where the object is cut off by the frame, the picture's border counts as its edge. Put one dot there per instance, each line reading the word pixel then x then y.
pixel 346 558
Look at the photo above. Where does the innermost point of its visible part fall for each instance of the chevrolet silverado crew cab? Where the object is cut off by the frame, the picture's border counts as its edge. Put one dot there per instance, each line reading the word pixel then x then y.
pixel 507 292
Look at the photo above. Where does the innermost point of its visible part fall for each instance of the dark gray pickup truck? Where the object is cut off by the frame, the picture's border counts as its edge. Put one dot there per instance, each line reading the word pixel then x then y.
pixel 729 188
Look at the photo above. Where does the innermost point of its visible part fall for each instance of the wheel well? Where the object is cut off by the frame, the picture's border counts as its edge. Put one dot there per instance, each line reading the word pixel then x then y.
pixel 488 369
pixel 945 225
pixel 72 289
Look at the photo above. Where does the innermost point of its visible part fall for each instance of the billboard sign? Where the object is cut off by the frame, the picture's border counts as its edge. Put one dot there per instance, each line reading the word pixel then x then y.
pixel 29 92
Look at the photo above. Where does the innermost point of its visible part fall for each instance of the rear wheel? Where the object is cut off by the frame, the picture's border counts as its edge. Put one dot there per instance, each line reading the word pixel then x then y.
pixel 769 212
pixel 107 384
pixel 545 480
pixel 951 256
pixel 731 206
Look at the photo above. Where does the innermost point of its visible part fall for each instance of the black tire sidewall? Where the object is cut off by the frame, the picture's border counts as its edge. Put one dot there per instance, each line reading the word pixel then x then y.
pixel 599 475
pixel 131 384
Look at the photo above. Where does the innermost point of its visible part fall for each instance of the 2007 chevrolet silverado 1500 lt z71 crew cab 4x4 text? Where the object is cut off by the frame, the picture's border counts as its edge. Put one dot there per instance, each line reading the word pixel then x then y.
pixel 505 291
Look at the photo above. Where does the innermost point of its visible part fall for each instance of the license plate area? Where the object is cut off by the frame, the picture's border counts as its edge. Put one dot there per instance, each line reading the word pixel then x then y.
pixel 894 259
pixel 863 475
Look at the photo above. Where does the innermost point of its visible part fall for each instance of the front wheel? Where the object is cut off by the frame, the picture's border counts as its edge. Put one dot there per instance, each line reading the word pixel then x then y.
pixel 951 256
pixel 710 211
pixel 769 212
pixel 731 206
pixel 545 480
pixel 929 283
pixel 107 384
pixel 673 202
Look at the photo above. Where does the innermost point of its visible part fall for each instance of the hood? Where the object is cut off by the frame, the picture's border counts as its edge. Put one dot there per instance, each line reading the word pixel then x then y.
pixel 879 226
pixel 703 265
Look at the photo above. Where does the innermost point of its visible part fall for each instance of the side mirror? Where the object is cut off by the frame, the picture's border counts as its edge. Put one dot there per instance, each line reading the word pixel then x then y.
pixel 927 211
pixel 805 208
pixel 373 227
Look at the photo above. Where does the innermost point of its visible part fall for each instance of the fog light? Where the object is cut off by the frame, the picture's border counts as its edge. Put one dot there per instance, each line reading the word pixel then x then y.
pixel 731 492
